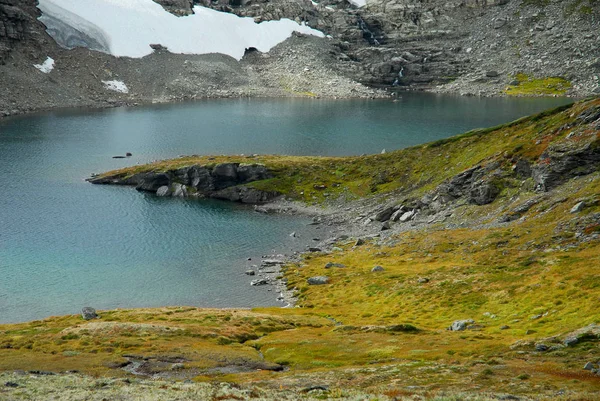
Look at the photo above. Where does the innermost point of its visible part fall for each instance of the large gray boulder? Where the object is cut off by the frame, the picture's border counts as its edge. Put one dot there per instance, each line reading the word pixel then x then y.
pixel 88 313
pixel 460 325
pixel 225 175
pixel 150 182
pixel 252 172
pixel 201 179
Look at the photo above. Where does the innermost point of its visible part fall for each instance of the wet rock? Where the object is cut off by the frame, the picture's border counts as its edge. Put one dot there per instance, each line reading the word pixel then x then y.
pixel 377 269
pixel 250 272
pixel 163 191
pixel 318 280
pixel 260 281
pixel 88 313
pixel 179 190
pixel 461 325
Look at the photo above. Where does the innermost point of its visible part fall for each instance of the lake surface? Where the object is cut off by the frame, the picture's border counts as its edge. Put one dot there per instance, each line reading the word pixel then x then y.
pixel 65 244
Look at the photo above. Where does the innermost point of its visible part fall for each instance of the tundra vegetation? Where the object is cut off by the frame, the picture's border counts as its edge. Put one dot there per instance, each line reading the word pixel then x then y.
pixel 523 268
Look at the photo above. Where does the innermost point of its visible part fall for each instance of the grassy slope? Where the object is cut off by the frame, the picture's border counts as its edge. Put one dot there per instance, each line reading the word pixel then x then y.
pixel 512 271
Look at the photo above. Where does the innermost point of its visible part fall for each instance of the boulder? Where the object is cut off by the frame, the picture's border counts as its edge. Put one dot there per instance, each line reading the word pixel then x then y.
pixel 163 191
pixel 483 193
pixel 331 264
pixel 150 182
pixel 407 216
pixel 578 207
pixel 318 280
pixel 179 190
pixel 260 281
pixel 397 214
pixel 250 272
pixel 385 214
pixel 570 341
pixel 588 366
pixel 541 347
pixel 252 172
pixel 88 313
pixel 200 178
pixel 461 325
pixel 225 175
pixel 377 269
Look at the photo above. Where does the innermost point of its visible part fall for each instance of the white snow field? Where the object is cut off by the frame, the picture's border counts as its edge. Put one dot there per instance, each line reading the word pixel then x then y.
pixel 127 28
pixel 46 66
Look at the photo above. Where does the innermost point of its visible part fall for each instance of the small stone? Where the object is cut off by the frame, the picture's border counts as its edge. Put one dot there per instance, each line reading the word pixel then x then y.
pixel 11 384
pixel 314 249
pixel 293 234
pixel 359 242
pixel 588 366
pixel 570 341
pixel 578 207
pixel 541 347
pixel 318 280
pixel 492 74
pixel 460 325
pixel 331 264
pixel 337 249
pixel 422 280
pixel 88 313
pixel 377 269
pixel 250 272
pixel 386 226
pixel 505 327
pixel 528 332
pixel 260 281
pixel 177 366
pixel 535 317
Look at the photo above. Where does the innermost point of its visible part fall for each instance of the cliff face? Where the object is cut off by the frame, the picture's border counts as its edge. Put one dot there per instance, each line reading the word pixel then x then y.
pixel 17 23
pixel 479 47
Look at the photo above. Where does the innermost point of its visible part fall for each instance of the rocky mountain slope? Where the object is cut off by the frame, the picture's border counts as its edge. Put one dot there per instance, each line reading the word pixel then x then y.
pixel 491 47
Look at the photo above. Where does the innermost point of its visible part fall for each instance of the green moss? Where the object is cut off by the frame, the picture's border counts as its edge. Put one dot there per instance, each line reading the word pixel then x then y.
pixel 538 86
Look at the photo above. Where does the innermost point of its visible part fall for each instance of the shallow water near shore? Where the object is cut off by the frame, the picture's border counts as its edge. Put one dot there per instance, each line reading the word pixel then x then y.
pixel 65 244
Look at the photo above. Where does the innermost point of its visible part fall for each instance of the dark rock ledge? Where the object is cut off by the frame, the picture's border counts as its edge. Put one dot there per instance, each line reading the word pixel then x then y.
pixel 226 181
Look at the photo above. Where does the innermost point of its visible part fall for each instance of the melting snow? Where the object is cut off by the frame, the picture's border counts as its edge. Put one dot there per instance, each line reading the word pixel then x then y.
pixel 128 27
pixel 117 86
pixel 46 66
pixel 358 3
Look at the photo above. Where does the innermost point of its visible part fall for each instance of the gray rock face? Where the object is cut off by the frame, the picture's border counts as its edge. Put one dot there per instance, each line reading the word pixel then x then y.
pixel 150 182
pixel 179 190
pixel 163 191
pixel 318 280
pixel 385 214
pixel 461 325
pixel 578 207
pixel 483 193
pixel 179 8
pixel 88 313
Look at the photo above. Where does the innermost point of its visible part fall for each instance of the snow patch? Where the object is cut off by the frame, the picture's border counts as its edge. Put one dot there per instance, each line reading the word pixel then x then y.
pixel 46 66
pixel 358 3
pixel 129 27
pixel 117 86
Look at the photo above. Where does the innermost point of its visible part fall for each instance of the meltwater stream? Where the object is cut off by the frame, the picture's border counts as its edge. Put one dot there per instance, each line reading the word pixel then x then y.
pixel 65 244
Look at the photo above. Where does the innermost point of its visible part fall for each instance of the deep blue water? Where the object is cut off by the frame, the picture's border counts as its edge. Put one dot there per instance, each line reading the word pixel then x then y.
pixel 65 243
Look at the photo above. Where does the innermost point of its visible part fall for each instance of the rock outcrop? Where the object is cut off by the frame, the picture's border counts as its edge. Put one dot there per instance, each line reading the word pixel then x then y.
pixel 220 181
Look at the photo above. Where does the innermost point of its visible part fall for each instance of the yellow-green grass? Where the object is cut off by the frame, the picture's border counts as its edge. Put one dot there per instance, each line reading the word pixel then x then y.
pixel 414 170
pixel 529 86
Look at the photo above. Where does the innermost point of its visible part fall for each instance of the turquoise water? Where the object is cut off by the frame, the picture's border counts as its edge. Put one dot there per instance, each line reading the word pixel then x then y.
pixel 65 244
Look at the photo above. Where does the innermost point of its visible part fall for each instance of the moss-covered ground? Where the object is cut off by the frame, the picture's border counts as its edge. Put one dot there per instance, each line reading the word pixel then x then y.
pixel 533 280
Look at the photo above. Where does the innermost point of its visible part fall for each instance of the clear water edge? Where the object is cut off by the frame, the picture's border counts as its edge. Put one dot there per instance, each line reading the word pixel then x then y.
pixel 65 244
